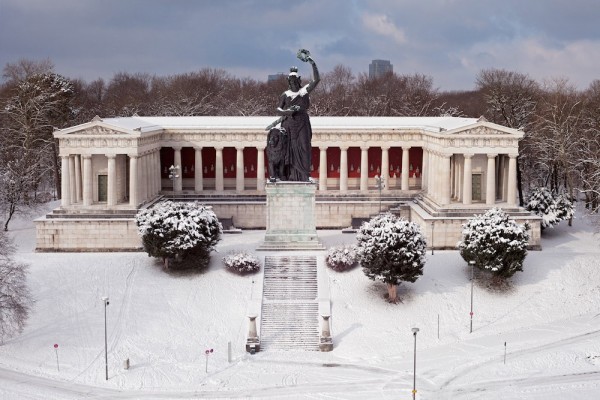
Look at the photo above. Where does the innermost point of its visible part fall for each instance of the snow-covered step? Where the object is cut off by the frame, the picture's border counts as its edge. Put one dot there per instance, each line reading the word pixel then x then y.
pixel 289 317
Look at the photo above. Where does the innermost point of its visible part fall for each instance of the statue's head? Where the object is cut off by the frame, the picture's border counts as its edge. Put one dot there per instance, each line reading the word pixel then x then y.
pixel 294 80
pixel 274 140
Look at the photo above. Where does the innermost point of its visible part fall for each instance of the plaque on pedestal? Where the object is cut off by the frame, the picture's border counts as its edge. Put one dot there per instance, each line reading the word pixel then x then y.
pixel 291 221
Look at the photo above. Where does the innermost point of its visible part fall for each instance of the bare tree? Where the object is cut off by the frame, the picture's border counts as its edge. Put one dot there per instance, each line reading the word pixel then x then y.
pixel 557 135
pixel 15 298
pixel 511 98
pixel 36 107
pixel 24 69
pixel 588 162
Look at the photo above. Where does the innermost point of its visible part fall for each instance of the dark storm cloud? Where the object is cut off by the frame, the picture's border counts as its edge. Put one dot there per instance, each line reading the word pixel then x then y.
pixel 451 40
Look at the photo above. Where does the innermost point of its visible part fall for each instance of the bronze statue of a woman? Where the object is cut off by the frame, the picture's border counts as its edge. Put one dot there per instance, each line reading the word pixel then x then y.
pixel 295 123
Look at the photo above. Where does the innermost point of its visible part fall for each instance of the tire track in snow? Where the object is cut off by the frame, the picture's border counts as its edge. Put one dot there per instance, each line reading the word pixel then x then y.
pixel 519 353
pixel 115 336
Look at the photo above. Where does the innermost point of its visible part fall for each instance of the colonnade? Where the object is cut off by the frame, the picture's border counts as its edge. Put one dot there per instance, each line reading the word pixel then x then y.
pixel 135 178
pixel 130 178
pixel 449 177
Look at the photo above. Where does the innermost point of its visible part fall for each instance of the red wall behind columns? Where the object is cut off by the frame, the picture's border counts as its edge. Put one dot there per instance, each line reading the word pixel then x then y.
pixel 315 155
pixel 250 155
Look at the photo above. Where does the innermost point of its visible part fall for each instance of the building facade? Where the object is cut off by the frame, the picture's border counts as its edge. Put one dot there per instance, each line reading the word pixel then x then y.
pixel 441 169
pixel 379 68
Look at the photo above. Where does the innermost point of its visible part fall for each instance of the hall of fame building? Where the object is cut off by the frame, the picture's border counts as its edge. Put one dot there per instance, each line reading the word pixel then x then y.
pixel 436 171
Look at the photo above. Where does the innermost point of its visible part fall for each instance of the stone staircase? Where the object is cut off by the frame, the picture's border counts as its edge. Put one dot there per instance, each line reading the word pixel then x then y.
pixel 290 310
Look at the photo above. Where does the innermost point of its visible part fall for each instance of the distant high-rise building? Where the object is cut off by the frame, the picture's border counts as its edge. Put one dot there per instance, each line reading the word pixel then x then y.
pixel 275 77
pixel 379 68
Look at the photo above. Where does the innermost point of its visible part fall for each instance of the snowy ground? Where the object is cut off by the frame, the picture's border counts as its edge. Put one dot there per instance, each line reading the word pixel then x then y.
pixel 549 319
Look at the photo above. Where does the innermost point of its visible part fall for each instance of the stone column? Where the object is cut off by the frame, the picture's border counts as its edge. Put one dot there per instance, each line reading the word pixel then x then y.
pixel 425 170
pixel 198 181
pixel 157 185
pixel 152 174
pixel 72 195
pixel 432 188
pixel 385 168
pixel 364 168
pixel 151 178
pixel 65 182
pixel 511 193
pixel 490 194
pixel 260 169
pixel 219 180
pixel 504 172
pixel 459 177
pixel 142 178
pixel 133 180
pixel 405 168
pixel 239 165
pixel 111 192
pixel 77 178
pixel 468 180
pixel 88 180
pixel 323 168
pixel 178 182
pixel 343 169
pixel 445 178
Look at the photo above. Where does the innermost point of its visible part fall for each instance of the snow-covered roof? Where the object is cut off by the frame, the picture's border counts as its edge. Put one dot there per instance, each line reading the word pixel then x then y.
pixel 435 124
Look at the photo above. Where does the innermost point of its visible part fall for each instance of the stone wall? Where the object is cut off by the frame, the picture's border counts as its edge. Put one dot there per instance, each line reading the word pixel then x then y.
pixel 70 234
pixel 78 235
pixel 447 231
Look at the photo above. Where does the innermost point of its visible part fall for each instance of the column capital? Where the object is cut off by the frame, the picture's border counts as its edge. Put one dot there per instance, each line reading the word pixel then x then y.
pixel 133 155
pixel 197 147
pixel 261 148
pixel 513 155
pixel 323 148
pixel 238 148
pixel 176 147
pixel 386 148
pixel 468 155
pixel 492 155
pixel 344 148
pixel 86 156
pixel 406 147
pixel 367 147
pixel 111 156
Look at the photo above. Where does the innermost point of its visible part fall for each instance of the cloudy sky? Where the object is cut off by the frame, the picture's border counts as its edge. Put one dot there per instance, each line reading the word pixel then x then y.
pixel 450 40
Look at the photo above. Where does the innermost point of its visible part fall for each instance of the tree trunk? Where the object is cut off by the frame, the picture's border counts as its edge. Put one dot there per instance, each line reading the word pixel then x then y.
pixel 57 168
pixel 11 212
pixel 520 183
pixel 392 293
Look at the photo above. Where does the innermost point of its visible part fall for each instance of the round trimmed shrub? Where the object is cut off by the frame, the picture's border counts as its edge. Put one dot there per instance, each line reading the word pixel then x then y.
pixel 242 263
pixel 342 258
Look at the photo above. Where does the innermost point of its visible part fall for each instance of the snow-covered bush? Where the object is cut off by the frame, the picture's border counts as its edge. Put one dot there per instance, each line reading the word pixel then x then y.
pixel 242 262
pixel 392 250
pixel 181 234
pixel 552 207
pixel 495 242
pixel 341 258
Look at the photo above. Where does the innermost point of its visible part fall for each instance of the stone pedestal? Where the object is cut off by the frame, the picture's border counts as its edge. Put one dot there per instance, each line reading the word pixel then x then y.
pixel 291 221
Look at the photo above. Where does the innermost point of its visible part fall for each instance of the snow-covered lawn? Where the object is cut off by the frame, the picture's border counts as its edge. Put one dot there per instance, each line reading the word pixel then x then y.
pixel 549 319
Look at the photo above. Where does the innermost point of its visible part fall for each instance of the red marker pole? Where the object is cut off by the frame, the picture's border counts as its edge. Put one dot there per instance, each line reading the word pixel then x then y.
pixel 56 351
pixel 207 352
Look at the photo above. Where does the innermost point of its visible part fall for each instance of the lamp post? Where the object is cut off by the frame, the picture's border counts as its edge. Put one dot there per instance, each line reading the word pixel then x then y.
pixel 379 184
pixel 432 225
pixel 106 303
pixel 472 264
pixel 173 175
pixel 414 391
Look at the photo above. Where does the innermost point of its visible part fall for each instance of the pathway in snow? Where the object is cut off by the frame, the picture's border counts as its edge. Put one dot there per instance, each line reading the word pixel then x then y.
pixel 290 308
